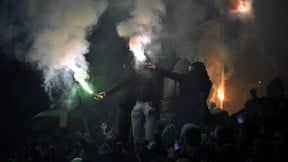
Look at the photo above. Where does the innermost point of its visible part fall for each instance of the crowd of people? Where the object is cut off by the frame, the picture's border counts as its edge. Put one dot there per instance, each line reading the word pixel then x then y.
pixel 189 133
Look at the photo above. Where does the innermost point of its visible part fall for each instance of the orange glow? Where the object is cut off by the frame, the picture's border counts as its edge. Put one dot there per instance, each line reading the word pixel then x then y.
pixel 220 94
pixel 221 90
pixel 134 42
pixel 244 8
pixel 216 74
pixel 137 45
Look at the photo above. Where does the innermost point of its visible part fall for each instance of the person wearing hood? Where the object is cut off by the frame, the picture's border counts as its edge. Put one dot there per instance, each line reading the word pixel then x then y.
pixel 195 87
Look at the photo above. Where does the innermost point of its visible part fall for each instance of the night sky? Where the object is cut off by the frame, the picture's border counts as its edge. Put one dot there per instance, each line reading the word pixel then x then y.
pixel 262 55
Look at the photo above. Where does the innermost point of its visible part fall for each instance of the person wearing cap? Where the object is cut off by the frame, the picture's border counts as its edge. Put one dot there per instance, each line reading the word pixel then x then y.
pixel 195 87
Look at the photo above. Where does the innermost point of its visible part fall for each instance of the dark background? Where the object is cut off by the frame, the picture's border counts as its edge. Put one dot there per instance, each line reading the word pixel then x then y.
pixel 22 94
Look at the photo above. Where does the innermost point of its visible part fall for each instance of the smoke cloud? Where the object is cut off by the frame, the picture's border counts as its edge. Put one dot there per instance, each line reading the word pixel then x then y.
pixel 185 16
pixel 242 9
pixel 144 18
pixel 144 25
pixel 51 35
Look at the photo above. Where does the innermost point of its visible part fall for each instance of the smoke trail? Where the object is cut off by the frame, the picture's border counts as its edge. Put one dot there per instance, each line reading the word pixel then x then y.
pixel 56 31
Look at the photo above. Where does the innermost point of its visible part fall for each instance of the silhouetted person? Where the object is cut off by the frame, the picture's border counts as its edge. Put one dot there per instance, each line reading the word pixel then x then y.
pixel 275 89
pixel 142 91
pixel 252 106
pixel 170 92
pixel 213 108
pixel 270 105
pixel 194 87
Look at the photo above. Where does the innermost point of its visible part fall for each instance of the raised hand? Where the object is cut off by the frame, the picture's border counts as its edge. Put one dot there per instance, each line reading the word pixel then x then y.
pixel 150 65
pixel 100 95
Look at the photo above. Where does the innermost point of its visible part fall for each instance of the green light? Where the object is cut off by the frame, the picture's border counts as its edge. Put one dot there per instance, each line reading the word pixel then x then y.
pixel 85 86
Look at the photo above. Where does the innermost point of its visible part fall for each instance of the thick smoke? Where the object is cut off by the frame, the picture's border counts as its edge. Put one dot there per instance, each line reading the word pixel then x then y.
pixel 237 9
pixel 227 5
pixel 145 24
pixel 53 34
pixel 144 18
pixel 184 18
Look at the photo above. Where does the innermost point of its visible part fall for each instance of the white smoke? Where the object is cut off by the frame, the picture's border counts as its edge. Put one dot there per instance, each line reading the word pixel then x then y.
pixel 145 22
pixel 144 18
pixel 57 33
pixel 237 9
pixel 187 15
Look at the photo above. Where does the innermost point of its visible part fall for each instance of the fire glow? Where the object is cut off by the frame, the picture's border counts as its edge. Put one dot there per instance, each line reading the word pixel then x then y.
pixel 137 45
pixel 221 90
pixel 243 8
pixel 220 94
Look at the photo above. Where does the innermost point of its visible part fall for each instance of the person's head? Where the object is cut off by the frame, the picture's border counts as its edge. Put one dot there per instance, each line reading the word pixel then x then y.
pixel 223 135
pixel 169 135
pixel 212 105
pixel 275 88
pixel 253 92
pixel 76 159
pixel 190 135
pixel 197 67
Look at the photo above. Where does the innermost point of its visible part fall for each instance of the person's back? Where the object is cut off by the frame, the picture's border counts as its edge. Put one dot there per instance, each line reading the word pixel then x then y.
pixel 148 85
pixel 193 92
pixel 170 93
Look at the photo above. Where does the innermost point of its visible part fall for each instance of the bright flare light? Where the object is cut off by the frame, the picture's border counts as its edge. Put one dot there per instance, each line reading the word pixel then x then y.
pixel 220 94
pixel 243 9
pixel 85 86
pixel 80 75
pixel 137 45
pixel 220 91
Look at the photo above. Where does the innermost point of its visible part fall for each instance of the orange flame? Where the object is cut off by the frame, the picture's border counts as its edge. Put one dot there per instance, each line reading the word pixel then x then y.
pixel 244 7
pixel 220 94
pixel 137 44
pixel 221 90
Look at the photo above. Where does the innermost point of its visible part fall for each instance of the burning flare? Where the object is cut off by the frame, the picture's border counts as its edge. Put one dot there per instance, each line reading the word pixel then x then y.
pixel 80 75
pixel 137 45
pixel 243 9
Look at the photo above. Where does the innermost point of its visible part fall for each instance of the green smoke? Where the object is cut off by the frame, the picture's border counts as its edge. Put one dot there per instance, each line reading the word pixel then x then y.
pixel 85 86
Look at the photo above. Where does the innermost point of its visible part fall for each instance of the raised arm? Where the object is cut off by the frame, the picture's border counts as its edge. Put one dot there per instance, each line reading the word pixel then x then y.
pixel 169 74
pixel 116 87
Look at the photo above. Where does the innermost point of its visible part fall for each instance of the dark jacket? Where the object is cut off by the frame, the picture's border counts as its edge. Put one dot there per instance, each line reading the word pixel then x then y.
pixel 194 90
pixel 140 85
pixel 192 85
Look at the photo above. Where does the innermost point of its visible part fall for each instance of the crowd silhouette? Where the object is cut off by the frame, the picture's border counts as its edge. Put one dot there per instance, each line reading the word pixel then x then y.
pixel 258 132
